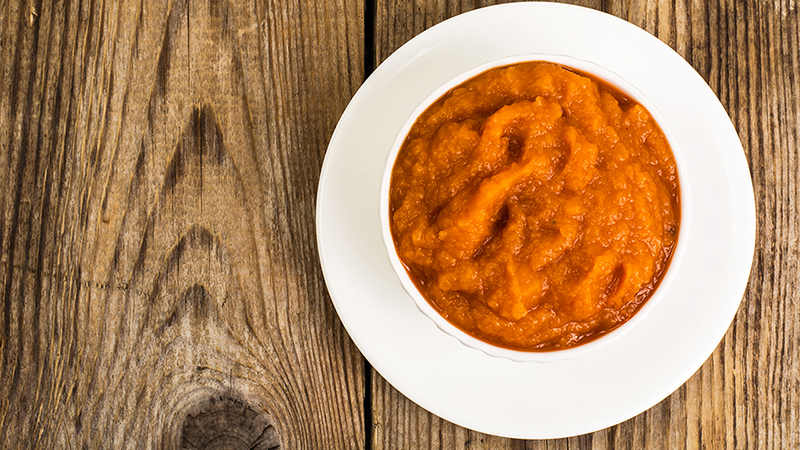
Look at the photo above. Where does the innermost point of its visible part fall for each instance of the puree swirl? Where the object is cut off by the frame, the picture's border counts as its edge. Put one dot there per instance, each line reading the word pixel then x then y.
pixel 535 207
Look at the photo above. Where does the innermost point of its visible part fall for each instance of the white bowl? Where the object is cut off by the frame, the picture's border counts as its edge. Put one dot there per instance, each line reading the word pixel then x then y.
pixel 536 356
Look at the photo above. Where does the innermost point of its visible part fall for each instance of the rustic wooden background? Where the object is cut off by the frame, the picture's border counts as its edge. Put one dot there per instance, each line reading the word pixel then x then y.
pixel 159 281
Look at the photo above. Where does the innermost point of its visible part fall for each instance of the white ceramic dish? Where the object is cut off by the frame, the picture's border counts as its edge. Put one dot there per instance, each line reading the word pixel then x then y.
pixel 565 397
pixel 586 67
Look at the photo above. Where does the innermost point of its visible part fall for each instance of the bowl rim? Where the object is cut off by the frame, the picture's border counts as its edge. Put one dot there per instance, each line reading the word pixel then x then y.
pixel 615 80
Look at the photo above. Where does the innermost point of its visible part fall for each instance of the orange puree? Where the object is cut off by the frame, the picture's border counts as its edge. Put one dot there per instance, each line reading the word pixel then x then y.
pixel 534 207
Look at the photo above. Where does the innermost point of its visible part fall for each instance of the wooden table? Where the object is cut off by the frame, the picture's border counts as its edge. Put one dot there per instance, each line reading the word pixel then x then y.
pixel 159 276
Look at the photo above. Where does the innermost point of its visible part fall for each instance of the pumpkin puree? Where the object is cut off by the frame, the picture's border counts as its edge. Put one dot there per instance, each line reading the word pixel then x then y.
pixel 536 208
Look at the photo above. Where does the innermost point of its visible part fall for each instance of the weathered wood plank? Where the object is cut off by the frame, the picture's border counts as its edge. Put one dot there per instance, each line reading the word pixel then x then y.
pixel 746 394
pixel 158 164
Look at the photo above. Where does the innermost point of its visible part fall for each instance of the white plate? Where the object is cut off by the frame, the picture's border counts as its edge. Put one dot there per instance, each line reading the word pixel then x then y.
pixel 566 397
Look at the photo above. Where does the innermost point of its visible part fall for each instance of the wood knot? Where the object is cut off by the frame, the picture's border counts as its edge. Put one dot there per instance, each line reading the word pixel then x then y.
pixel 226 423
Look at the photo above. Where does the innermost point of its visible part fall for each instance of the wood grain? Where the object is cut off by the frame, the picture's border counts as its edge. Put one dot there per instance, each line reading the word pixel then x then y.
pixel 159 285
pixel 746 394
pixel 158 164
